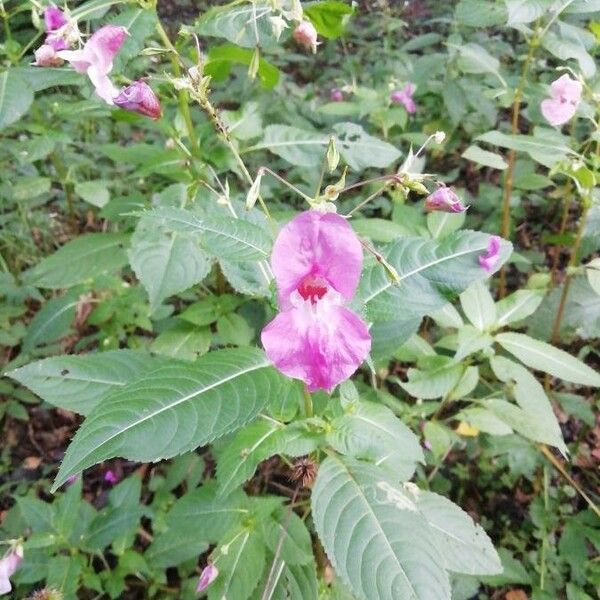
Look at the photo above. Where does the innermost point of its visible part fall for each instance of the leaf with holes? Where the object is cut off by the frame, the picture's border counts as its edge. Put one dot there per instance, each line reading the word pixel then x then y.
pixel 174 409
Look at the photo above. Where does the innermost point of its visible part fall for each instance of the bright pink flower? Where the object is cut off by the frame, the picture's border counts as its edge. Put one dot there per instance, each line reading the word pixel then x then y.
pixel 444 199
pixel 96 57
pixel 566 94
pixel 139 97
pixel 336 95
pixel 317 260
pixel 111 477
pixel 404 97
pixel 489 260
pixel 8 565
pixel 306 35
pixel 208 575
pixel 45 56
pixel 54 18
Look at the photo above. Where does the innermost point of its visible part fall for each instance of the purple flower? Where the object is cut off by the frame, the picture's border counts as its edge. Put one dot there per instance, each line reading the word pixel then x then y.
pixel 139 97
pixel 111 477
pixel 96 57
pixel 489 259
pixel 306 35
pixel 54 18
pixel 444 199
pixel 208 575
pixel 336 95
pixel 404 97
pixel 566 94
pixel 8 565
pixel 317 260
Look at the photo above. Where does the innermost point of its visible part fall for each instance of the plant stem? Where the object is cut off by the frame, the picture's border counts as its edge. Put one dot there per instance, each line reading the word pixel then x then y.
pixel 545 538
pixel 368 199
pixel 308 403
pixel 512 155
pixel 563 226
pixel 184 100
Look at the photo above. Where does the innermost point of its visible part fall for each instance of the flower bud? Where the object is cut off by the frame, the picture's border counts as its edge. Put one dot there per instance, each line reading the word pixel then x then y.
pixel 254 64
pixel 333 156
pixel 45 56
pixel 139 97
pixel 306 35
pixel 444 199
pixel 336 95
pixel 254 191
pixel 208 575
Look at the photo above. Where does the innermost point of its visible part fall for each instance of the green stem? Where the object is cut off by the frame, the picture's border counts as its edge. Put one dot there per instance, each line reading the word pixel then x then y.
pixel 545 533
pixel 308 403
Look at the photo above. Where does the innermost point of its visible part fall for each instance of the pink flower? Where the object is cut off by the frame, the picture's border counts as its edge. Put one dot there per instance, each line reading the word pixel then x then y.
pixel 111 477
pixel 404 97
pixel 566 94
pixel 8 565
pixel 317 260
pixel 45 56
pixel 336 95
pixel 54 18
pixel 306 35
pixel 208 575
pixel 489 260
pixel 96 57
pixel 444 199
pixel 139 97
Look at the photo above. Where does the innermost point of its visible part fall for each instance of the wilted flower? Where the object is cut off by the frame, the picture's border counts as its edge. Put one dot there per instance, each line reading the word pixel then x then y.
pixel 336 95
pixel 489 260
pixel 566 94
pixel 8 565
pixel 316 260
pixel 96 57
pixel 45 56
pixel 404 97
pixel 111 477
pixel 139 97
pixel 208 575
pixel 306 35
pixel 444 199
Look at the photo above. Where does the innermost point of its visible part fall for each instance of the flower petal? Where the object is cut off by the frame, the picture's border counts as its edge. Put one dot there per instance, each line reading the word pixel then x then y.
pixel 139 97
pixel 102 83
pixel 54 18
pixel 557 112
pixel 321 344
pixel 103 46
pixel 320 244
pixel 568 88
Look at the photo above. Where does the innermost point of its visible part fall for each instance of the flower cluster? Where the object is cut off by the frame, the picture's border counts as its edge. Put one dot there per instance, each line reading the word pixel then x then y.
pixel 317 260
pixel 95 59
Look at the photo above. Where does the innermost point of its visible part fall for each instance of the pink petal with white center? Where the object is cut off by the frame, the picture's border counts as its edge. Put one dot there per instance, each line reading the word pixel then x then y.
pixel 568 88
pixel 319 245
pixel 321 344
pixel 557 112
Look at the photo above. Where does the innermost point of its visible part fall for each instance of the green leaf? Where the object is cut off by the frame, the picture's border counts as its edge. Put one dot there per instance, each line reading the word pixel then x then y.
pixel 184 341
pixel 478 306
pixel 40 79
pixel 110 524
pixel 371 431
pixel 374 535
pixel 166 262
pixel 64 573
pixel 79 383
pixel 329 18
pixel 518 306
pixel 430 273
pixel 16 97
pixel 442 224
pixel 250 446
pixel 475 13
pixel 433 383
pixel 465 546
pixel 94 192
pixel 297 582
pixel 526 11
pixel 474 58
pixel 296 548
pixel 174 409
pixel 484 157
pixel 544 357
pixel 82 259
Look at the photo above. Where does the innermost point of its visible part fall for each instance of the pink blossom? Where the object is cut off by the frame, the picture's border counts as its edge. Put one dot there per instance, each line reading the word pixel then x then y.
pixel 96 57
pixel 565 96
pixel 444 199
pixel 336 95
pixel 317 260
pixel 404 97
pixel 139 97
pixel 9 563
pixel 45 56
pixel 54 18
pixel 111 477
pixel 489 259
pixel 306 35
pixel 208 575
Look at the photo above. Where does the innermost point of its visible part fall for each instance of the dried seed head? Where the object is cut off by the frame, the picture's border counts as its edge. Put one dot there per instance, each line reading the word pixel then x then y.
pixel 304 471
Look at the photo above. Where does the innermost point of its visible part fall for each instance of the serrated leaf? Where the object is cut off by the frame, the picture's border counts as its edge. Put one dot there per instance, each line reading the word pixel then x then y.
pixel 110 524
pixel 544 357
pixel 296 548
pixel 432 383
pixel 374 535
pixel 83 258
pixel 297 582
pixel 79 383
pixel 174 409
pixel 371 431
pixel 166 262
pixel 16 97
pixel 184 341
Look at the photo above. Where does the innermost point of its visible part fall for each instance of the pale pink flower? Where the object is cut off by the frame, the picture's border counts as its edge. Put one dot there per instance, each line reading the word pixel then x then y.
pixel 208 575
pixel 489 259
pixel 45 56
pixel 317 260
pixel 306 35
pixel 96 57
pixel 55 20
pixel 336 95
pixel 139 97
pixel 444 199
pixel 405 97
pixel 566 94
pixel 8 565
pixel 111 477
